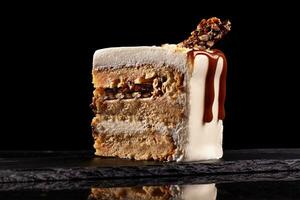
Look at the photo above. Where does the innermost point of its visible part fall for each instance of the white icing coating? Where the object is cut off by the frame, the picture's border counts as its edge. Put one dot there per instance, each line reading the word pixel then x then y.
pixel 203 192
pixel 204 139
pixel 131 56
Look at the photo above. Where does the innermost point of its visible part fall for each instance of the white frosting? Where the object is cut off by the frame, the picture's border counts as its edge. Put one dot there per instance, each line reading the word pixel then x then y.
pixel 132 56
pixel 205 139
pixel 203 192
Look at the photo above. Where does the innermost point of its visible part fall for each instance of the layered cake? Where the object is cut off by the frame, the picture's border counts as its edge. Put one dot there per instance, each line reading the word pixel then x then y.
pixel 203 192
pixel 162 102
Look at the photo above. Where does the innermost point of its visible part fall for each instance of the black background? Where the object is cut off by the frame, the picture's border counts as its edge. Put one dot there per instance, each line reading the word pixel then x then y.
pixel 47 55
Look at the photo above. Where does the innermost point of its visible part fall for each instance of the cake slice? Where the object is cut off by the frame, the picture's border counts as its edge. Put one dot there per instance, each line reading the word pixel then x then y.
pixel 159 103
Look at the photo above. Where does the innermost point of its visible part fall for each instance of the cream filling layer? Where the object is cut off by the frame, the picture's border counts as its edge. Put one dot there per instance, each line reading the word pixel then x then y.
pixel 134 127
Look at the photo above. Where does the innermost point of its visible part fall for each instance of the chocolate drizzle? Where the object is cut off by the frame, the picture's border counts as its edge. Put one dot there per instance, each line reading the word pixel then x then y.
pixel 209 83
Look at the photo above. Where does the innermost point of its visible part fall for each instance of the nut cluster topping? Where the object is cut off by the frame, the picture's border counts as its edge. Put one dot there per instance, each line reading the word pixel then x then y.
pixel 207 33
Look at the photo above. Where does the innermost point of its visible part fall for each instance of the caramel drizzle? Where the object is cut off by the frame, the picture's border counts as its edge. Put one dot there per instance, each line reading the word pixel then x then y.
pixel 222 88
pixel 209 83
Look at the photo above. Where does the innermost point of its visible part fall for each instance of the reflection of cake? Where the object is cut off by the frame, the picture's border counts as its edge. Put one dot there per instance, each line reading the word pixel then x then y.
pixel 203 192
pixel 145 192
pixel 161 103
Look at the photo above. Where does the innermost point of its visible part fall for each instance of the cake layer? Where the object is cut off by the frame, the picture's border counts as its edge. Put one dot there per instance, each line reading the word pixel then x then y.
pixel 159 140
pixel 149 109
pixel 136 144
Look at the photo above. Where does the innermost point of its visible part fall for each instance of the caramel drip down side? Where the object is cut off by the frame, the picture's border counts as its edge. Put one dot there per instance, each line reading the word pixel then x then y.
pixel 209 90
pixel 222 88
pixel 209 83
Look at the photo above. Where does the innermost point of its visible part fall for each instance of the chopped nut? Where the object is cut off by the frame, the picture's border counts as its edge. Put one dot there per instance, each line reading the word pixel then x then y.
pixel 130 85
pixel 142 80
pixel 139 80
pixel 215 27
pixel 121 83
pixel 150 75
pixel 136 94
pixel 203 37
pixel 210 43
pixel 120 96
pixel 171 88
pixel 114 83
pixel 168 82
pixel 155 83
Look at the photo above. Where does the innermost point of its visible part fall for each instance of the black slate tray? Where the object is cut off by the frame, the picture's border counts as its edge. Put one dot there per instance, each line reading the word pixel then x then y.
pixel 83 165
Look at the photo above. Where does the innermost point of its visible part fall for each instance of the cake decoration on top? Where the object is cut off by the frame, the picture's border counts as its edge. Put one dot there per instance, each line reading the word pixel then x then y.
pixel 207 33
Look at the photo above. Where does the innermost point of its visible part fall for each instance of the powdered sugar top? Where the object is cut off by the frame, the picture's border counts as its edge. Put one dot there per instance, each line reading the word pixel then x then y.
pixel 117 57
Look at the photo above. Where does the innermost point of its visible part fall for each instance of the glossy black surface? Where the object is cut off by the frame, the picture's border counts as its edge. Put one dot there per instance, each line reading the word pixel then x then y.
pixel 233 190
pixel 60 166
pixel 244 174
